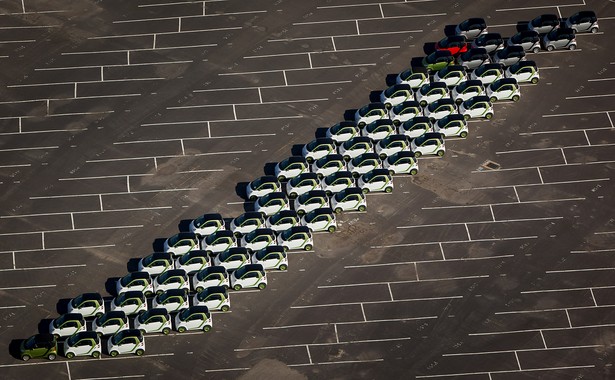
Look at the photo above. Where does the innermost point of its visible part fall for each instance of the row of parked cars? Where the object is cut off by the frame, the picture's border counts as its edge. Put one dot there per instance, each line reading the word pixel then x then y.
pixel 179 287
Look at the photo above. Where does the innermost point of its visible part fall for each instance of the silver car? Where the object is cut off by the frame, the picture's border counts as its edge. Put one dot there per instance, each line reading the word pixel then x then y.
pixel 543 24
pixel 473 58
pixel 490 42
pixel 471 28
pixel 528 39
pixel 561 38
pixel 509 55
pixel 584 21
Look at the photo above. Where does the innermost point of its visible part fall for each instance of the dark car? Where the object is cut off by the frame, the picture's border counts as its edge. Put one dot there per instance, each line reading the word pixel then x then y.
pixel 489 41
pixel 471 28
pixel 545 23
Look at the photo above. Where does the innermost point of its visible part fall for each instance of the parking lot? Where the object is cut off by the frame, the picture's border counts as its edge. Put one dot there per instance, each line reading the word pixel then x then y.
pixel 122 121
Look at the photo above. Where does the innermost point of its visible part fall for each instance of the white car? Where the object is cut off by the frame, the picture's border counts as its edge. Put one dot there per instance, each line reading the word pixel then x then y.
pixel 132 302
pixel 583 21
pixel 261 186
pixel 210 276
pixel 477 106
pixel 193 261
pixel 67 325
pixel 214 297
pixel 318 148
pixel 337 182
pixel 207 224
pixel 471 28
pixel 283 220
pixel 181 243
pixel 378 180
pixel 247 222
pixel 156 263
pixel 83 343
pixel 391 145
pixel 416 127
pixel 369 113
pixel 440 108
pixel 414 76
pixel 271 257
pixel 171 279
pixel 302 183
pixel 488 73
pixel 467 89
pixel 523 72
pixel 220 241
pixel 429 143
pixel 233 258
pixel 451 75
pixel 298 237
pixel 110 323
pixel 249 276
pixel 364 163
pixel 87 304
pixel 193 318
pixel 452 125
pixel 355 146
pixel 258 239
pixel 396 94
pixel 290 167
pixel 379 129
pixel 272 203
pixel 431 92
pixel 328 165
pixel 311 200
pixel 343 131
pixel 320 219
pixel 351 199
pixel 560 38
pixel 529 40
pixel 140 281
pixel 401 162
pixel 504 89
pixel 172 300
pixel 154 320
pixel 126 342
pixel 405 111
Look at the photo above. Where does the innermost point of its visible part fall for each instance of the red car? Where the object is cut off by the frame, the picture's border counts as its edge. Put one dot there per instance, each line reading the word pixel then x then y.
pixel 455 44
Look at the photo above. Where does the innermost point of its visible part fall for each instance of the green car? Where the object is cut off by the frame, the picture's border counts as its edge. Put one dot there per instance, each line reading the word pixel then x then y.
pixel 39 346
pixel 438 60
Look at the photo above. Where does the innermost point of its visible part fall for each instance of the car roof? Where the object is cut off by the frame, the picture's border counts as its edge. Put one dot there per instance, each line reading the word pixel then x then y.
pixel 175 292
pixel 115 314
pixel 250 214
pixel 91 296
pixel 374 105
pixel 306 175
pixel 475 20
pixel 266 178
pixel 358 139
pixel 272 248
pixel 299 229
pixel 527 32
pixel 513 48
pixel 285 213
pixel 506 81
pixel 431 135
pixel 452 68
pixel 436 85
pixel 418 119
pixel 525 64
pixel 160 255
pixel 361 157
pixel 489 66
pixel 157 311
pixel 379 122
pixel 273 195
pixel 88 335
pixel 330 157
pixel 452 117
pixel 320 211
pixel 378 171
pixel 314 193
pixel 442 101
pixel 480 98
pixel 475 50
pixel 345 123
pixel 261 231
pixel 211 216
pixel 322 140
pixel 213 269
pixel 403 153
pixel 340 174
pixel 293 159
pixel 564 31
pixel 185 235
pixel 233 250
pixel 350 190
pixel 586 13
pixel 401 86
pixel 490 35
pixel 395 137
pixel 250 267
pixel 471 82
pixel 220 233
pixel 213 289
pixel 547 16
pixel 44 338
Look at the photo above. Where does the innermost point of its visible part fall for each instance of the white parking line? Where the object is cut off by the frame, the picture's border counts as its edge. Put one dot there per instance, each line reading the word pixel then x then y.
pixel 70 230
pixel 453 241
pixel 537 184
pixel 374 302
pixel 338 362
pixel 522 350
pixel 226 369
pixel 29 148
pixel 298 69
pixel 594 251
pixel 403 281
pixel 221 121
pixel 578 270
pixel 504 371
pixel 29 287
pixel 588 96
pixel 503 203
pixel 309 53
pixel 110 377
pixel 12 307
pixel 43 268
pixel 112 193
pixel 367 19
pixel 577 113
pixel 562 131
pixel 246 104
pixel 345 35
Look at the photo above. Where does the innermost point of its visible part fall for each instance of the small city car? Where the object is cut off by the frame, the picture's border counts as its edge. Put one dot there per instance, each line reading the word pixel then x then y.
pixel 451 75
pixel 509 55
pixel 233 258
pixel 379 129
pixel 491 42
pixel 456 44
pixel 311 200
pixel 181 243
pixel 39 346
pixel 488 73
pixel 471 28
pixel 351 199
pixel 110 323
pixel 377 180
pixel 261 186
pixel 328 165
pixel 416 127
pixel 560 38
pixel 438 60
pixel 140 281
pixel 210 276
pixel 172 300
pixel 154 321
pixel 214 297
pixel 405 111
pixel 473 58
pixel 504 89
pixel 583 21
pixel 271 257
pixel 221 240
pixel 84 343
pixel 414 76
pixel 476 106
pixel 343 131
pixel 272 203
pixel 207 224
pixel 298 237
pixel 364 163
pixel 523 72
pixel 429 143
pixel 87 304
pixel 337 182
pixel 318 148
pixel 193 318
pixel 529 40
pixel 302 183
pixel 247 222
pixel 156 263
pixel 126 342
pixel 67 325
pixel 171 279
pixel 356 146
pixel 452 125
pixel 543 24
pixel 283 220
pixel 467 89
pixel 401 162
pixel 193 261
pixel 440 108
pixel 132 302
pixel 320 219
pixel 258 239
pixel 392 144
pixel 431 92
pixel 396 94
pixel 249 276
pixel 370 112
pixel 290 167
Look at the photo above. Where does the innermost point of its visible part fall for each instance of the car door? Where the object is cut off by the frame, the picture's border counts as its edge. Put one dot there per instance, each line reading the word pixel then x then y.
pixel 84 347
pixel 128 344
pixel 113 325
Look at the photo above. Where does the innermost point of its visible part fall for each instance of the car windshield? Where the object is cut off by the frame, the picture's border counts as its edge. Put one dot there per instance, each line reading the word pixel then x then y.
pixel 121 335
pixel 73 340
pixel 60 320
pixel 257 183
pixel 184 314
pixel 204 219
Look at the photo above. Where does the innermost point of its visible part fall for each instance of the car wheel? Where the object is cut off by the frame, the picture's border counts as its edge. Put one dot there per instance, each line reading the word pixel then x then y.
pixel 149 294
pixel 300 212
pixel 388 105
pixel 382 156
pixel 338 210
pixel 388 190
pixel 209 253
pixel 466 117
pixel 308 247
pixel 281 178
pixel 365 190
pixel 396 123
pixel 458 101
pixel 534 80
pixel 237 287
pixel 417 154
pixel 362 208
pixel 488 116
pixel 98 315
pixel 25 358
pixel 550 48
pixel 114 353
pixel 96 354
pixel 361 124
pixel 181 329
pixel 391 172
pixel 572 47
pixel 292 195
pixel 309 160
pixel 440 153
pixel 99 334
pixel 225 308
pixel 166 331
pixel 414 172
pixel 423 103
pixel 594 30
pixel 463 134
pixel 536 50
pixel 262 286
pixel 493 99
pixel 253 198
pixel 159 292
pixel 57 336
pixel 283 267
pixel 199 289
pixel 207 328
pixel 331 229
pixel 139 352
pixel 515 98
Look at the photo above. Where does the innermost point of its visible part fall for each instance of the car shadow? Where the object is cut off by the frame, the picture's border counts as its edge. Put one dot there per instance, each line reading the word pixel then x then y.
pixel 429 47
pixel 391 79
pixel 62 305
pixel 133 264
pixel 110 285
pixel 184 225
pixel 43 326
pixel 522 25
pixel 374 96
pixel 449 30
pixel 320 132
pixel 240 190
pixel 416 62
pixel 158 244
pixel 14 348
pixel 269 168
pixel 248 206
pixel 349 114
pixel 296 149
